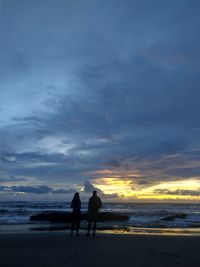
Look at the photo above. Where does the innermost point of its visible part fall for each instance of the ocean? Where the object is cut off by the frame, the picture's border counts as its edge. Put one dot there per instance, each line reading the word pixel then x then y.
pixel 143 217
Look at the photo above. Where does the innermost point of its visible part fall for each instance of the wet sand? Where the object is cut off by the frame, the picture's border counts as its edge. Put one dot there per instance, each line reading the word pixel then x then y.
pixel 58 249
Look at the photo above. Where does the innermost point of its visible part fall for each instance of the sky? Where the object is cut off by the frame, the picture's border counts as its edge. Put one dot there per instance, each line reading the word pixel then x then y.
pixel 100 95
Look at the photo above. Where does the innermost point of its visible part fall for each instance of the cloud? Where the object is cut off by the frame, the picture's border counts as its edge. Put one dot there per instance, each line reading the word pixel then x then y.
pixel 42 189
pixel 179 192
pixel 89 188
pixel 12 179
pixel 64 191
pixel 76 99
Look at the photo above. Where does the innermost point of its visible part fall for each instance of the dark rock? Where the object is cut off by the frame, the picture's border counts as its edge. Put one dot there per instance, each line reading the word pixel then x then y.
pixel 52 216
pixel 58 228
pixel 172 217
pixel 59 217
pixel 51 228
pixel 111 216
pixel 3 211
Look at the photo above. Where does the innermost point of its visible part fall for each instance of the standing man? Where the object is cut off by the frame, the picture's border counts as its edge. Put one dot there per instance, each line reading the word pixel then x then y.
pixel 94 205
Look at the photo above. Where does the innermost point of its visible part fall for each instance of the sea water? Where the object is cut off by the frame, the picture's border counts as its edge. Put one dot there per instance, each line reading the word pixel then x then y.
pixel 143 217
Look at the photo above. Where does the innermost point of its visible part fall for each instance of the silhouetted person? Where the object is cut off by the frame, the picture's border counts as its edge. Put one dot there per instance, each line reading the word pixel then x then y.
pixel 94 205
pixel 76 206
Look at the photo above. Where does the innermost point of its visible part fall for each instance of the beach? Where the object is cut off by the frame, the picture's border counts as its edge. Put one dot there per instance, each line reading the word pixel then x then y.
pixel 50 249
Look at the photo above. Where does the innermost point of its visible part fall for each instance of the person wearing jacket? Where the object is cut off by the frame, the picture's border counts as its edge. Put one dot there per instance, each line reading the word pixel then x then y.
pixel 94 205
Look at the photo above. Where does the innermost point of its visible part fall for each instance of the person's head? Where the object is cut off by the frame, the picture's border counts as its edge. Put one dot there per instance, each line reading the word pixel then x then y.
pixel 76 195
pixel 94 193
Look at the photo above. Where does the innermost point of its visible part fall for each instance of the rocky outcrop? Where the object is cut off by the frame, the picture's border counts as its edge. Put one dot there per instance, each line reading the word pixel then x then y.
pixel 64 217
pixel 174 216
pixel 111 216
pixel 52 216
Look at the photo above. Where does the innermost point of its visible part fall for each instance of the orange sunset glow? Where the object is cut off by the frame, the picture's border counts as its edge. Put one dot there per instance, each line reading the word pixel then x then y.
pixel 172 190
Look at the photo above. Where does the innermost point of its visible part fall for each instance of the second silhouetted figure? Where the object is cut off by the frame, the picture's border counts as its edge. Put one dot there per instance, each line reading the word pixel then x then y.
pixel 94 205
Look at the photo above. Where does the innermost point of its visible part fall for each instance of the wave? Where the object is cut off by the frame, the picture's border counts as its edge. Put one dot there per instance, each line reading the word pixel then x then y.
pixel 141 214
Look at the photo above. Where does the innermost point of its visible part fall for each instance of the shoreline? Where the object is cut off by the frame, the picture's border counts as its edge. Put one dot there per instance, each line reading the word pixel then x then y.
pixel 17 229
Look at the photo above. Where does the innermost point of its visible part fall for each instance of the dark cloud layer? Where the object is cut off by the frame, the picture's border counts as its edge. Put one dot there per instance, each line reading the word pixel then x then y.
pixel 92 85
pixel 42 189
